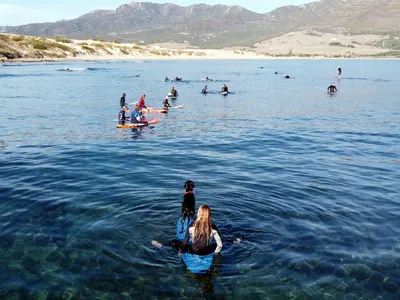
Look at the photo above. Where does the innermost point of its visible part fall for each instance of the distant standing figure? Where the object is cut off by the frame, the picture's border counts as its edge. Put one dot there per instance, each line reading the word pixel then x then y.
pixel 166 104
pixel 339 69
pixel 122 101
pixel 174 92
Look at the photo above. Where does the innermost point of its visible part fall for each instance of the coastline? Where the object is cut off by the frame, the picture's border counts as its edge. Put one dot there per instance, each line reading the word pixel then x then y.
pixel 18 48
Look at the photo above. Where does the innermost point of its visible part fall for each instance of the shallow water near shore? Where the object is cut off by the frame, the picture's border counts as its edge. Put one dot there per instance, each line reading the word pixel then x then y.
pixel 309 183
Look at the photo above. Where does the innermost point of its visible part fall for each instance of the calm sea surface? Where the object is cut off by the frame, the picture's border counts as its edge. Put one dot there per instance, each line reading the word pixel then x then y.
pixel 309 183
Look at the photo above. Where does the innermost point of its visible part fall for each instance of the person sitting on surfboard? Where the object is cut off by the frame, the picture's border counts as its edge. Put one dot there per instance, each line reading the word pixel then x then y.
pixel 174 92
pixel 166 104
pixel 339 69
pixel 141 102
pixel 121 116
pixel 136 116
pixel 287 77
pixel 122 100
pixel 332 88
pixel 224 88
pixel 178 79
pixel 202 233
pixel 204 90
pixel 166 79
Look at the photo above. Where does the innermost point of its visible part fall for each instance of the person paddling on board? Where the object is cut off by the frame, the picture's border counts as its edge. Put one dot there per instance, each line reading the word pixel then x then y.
pixel 202 233
pixel 339 69
pixel 224 88
pixel 136 116
pixel 174 92
pixel 142 103
pixel 166 104
pixel 166 79
pixel 121 116
pixel 332 88
pixel 122 100
pixel 204 90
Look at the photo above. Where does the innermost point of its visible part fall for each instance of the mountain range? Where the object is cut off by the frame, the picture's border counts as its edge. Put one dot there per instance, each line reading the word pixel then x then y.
pixel 219 26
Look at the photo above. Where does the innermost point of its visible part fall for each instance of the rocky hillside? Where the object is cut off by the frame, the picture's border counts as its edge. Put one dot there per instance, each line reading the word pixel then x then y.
pixel 220 25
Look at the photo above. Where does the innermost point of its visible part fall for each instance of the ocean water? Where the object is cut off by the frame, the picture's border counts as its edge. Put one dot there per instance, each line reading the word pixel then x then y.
pixel 307 182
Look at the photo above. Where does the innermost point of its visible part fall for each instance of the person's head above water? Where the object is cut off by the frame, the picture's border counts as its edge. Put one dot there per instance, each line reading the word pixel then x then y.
pixel 123 95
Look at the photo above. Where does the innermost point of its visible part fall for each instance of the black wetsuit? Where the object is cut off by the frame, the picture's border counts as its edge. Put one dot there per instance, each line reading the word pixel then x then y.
pixel 332 89
pixel 200 247
pixel 225 89
pixel 122 101
pixel 204 91
pixel 166 103
pixel 340 71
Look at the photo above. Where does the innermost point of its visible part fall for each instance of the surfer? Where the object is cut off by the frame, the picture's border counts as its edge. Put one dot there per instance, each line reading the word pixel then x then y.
pixel 141 102
pixel 204 90
pixel 121 116
pixel 287 77
pixel 166 79
pixel 174 92
pixel 339 69
pixel 276 72
pixel 136 116
pixel 332 88
pixel 178 79
pixel 202 233
pixel 122 100
pixel 166 104
pixel 224 88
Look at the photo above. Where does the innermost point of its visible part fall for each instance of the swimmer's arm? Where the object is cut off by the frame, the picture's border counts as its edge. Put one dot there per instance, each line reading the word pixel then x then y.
pixel 218 241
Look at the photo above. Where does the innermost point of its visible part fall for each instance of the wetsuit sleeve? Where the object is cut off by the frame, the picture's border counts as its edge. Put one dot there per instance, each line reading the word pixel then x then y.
pixel 186 242
pixel 218 241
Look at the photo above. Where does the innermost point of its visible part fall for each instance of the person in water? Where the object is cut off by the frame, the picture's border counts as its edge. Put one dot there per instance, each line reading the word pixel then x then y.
pixel 276 72
pixel 332 88
pixel 224 88
pixel 121 116
pixel 287 77
pixel 141 102
pixel 339 69
pixel 178 78
pixel 166 79
pixel 136 116
pixel 204 90
pixel 174 92
pixel 202 233
pixel 166 104
pixel 122 100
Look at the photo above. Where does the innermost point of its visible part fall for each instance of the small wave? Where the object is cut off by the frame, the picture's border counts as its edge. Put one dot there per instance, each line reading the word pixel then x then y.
pixel 22 75
pixel 354 78
pixel 80 69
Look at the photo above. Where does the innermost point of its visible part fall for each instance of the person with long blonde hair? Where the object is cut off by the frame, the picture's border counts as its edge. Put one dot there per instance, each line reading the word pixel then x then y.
pixel 202 233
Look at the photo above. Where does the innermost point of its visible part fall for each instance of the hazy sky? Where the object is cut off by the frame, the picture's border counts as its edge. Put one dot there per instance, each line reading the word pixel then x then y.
pixel 17 12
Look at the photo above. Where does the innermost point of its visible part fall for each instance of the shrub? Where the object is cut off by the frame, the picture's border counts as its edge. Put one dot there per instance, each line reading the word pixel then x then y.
pixel 87 48
pixel 62 40
pixel 17 38
pixel 117 42
pixel 336 44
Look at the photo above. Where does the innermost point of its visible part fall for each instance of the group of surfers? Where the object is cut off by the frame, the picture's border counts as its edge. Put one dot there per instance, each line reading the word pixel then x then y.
pixel 224 89
pixel 137 115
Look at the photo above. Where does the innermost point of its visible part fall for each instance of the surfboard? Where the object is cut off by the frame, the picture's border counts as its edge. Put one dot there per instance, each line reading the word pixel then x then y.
pixel 224 93
pixel 331 93
pixel 198 264
pixel 136 125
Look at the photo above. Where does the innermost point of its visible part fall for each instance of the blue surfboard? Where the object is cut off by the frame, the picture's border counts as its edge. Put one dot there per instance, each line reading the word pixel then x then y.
pixel 198 264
